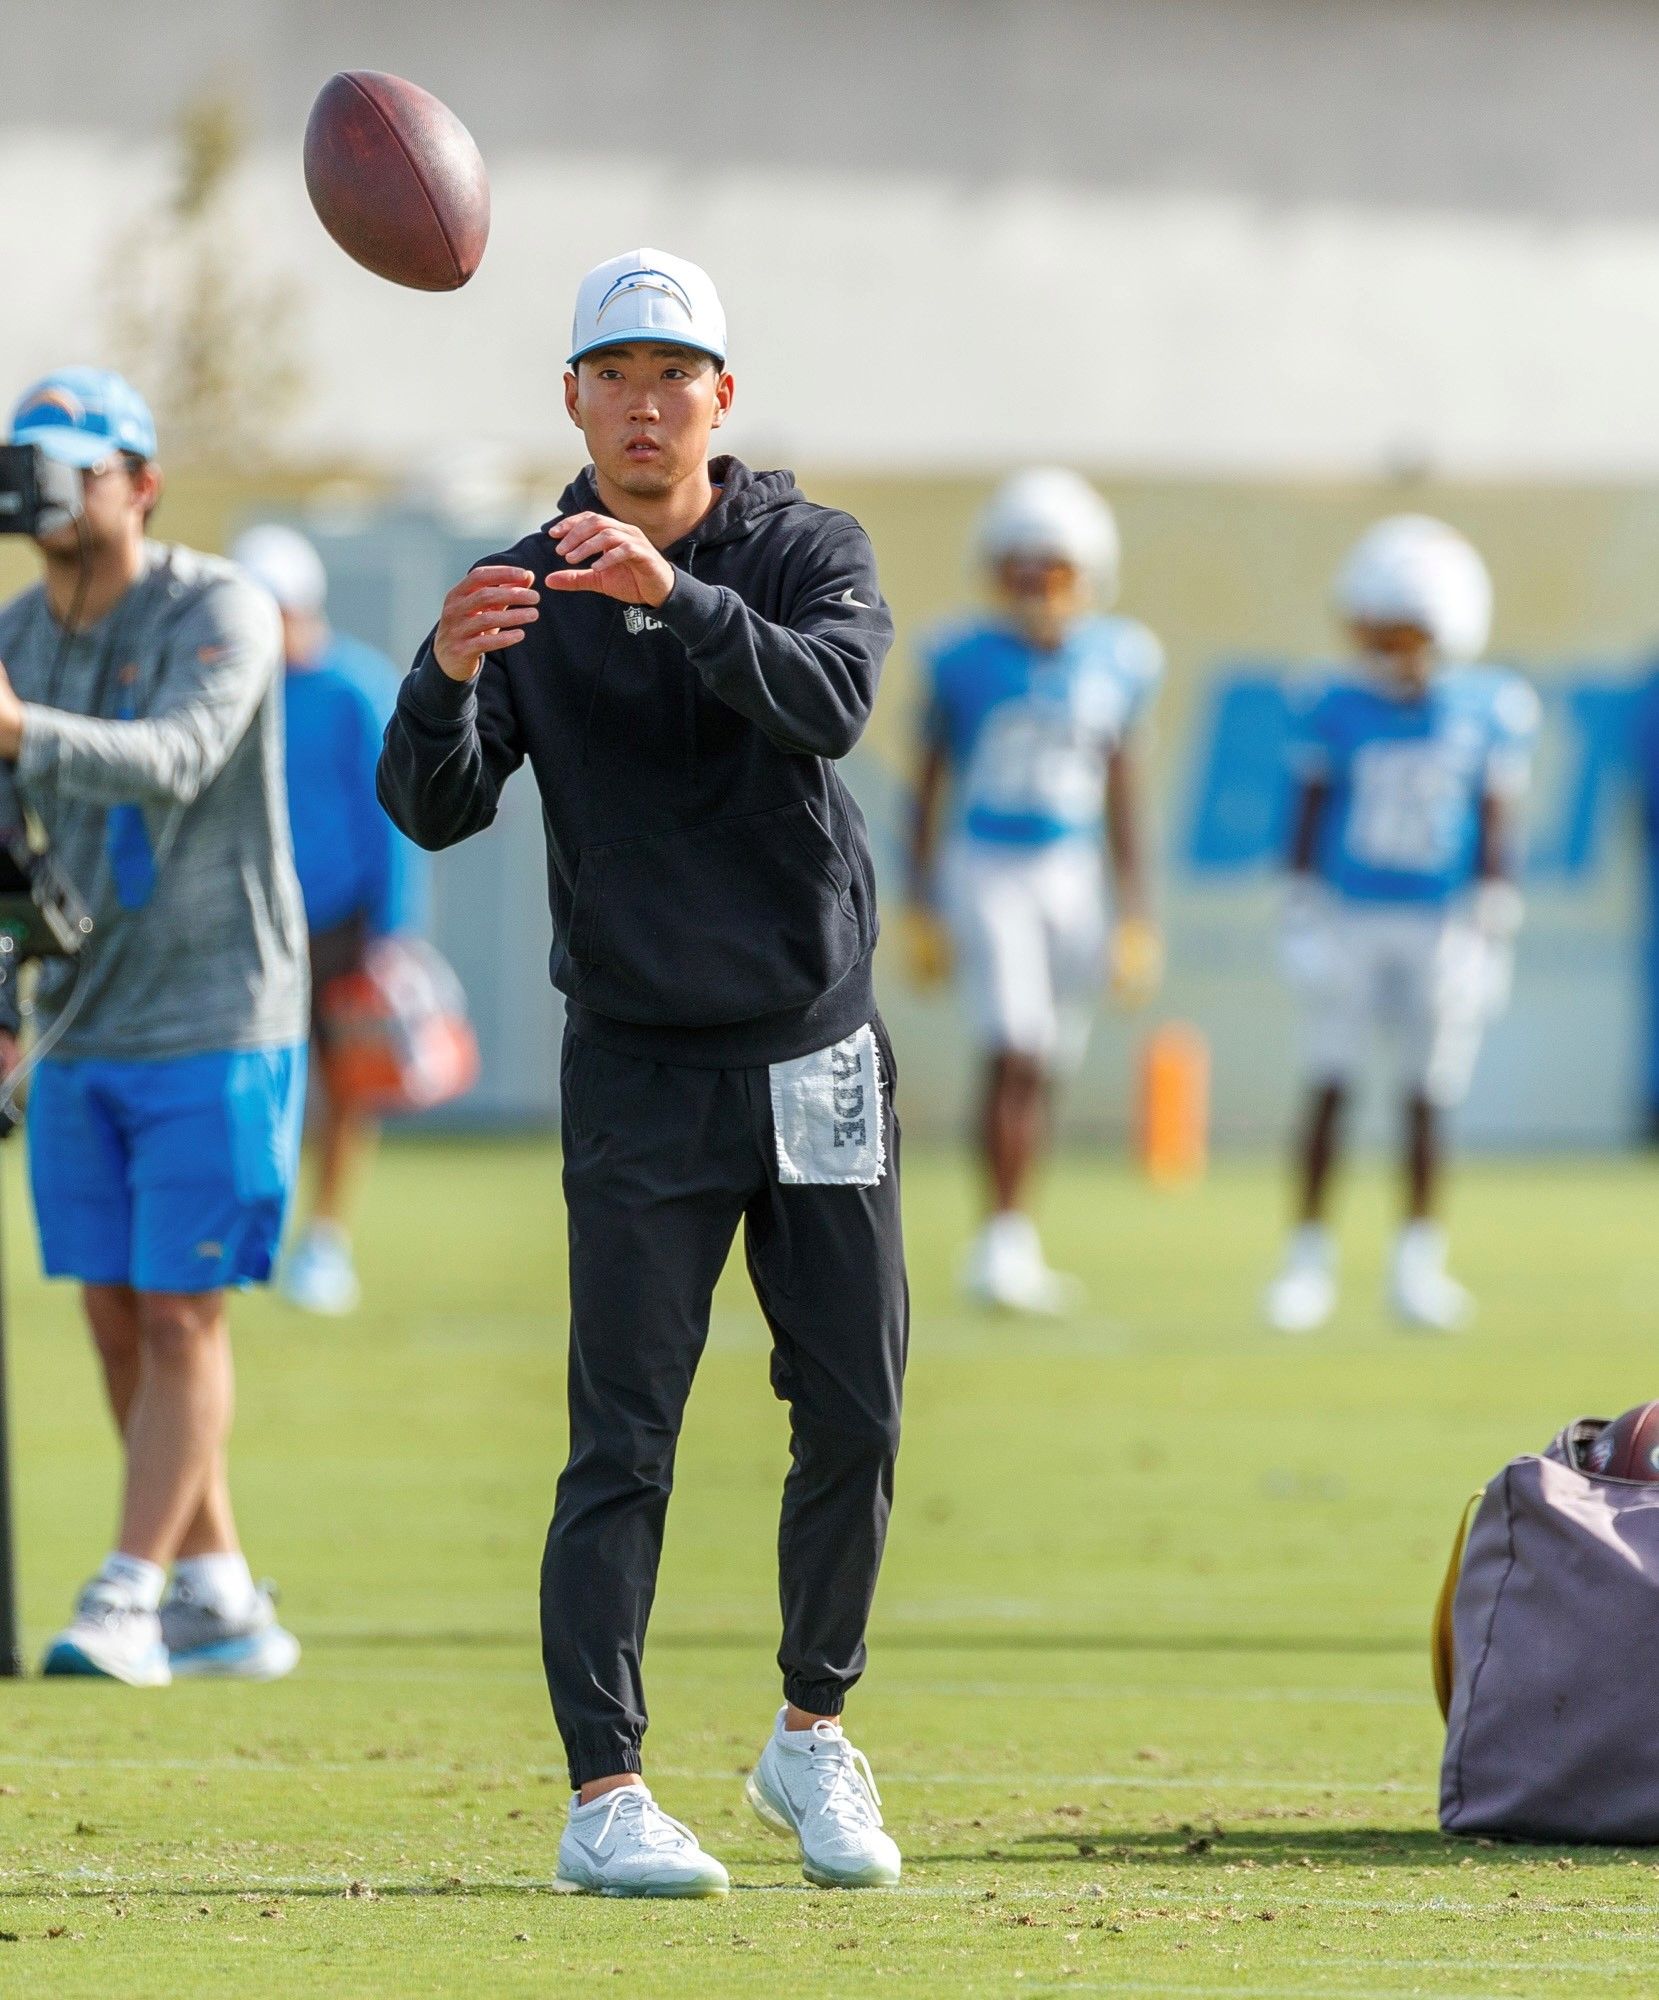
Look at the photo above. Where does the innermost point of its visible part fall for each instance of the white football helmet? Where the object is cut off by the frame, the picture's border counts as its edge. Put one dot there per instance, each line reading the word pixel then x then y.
pixel 1411 570
pixel 287 565
pixel 1051 512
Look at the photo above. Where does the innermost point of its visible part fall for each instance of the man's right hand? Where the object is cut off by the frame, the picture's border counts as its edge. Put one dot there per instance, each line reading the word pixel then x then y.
pixel 486 611
pixel 9 1053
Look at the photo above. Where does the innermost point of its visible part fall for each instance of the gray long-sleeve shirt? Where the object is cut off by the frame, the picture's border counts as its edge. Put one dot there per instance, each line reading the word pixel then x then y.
pixel 152 756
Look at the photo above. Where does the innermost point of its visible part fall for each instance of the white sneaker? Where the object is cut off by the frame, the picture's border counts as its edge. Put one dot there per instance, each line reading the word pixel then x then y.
pixel 814 1785
pixel 1005 1269
pixel 318 1275
pixel 206 1641
pixel 624 1844
pixel 1303 1296
pixel 1423 1294
pixel 110 1638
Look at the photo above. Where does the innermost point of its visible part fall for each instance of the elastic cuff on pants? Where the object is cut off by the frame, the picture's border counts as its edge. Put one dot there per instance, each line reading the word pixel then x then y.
pixel 815 1697
pixel 593 1757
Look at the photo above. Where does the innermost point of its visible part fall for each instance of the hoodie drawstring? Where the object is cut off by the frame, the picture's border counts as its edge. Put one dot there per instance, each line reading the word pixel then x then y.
pixel 691 682
pixel 616 618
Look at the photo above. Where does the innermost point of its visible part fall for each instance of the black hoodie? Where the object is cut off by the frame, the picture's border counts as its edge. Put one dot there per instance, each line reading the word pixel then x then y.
pixel 709 876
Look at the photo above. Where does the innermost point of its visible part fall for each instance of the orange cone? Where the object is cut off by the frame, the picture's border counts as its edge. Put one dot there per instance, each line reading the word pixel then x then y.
pixel 1174 1110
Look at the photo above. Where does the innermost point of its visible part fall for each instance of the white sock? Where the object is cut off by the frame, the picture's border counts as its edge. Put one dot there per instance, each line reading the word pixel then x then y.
pixel 1421 1246
pixel 142 1581
pixel 594 1805
pixel 795 1737
pixel 221 1582
pixel 1310 1243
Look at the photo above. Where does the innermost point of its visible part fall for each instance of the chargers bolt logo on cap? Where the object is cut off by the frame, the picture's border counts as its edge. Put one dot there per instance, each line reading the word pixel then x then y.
pixel 648 295
pixel 81 416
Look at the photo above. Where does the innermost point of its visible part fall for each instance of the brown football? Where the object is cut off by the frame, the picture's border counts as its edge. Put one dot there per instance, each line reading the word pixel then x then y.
pixel 396 180
pixel 1629 1447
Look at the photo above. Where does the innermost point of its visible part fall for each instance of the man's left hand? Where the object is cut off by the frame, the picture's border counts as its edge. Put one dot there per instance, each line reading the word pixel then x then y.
pixel 618 560
pixel 11 719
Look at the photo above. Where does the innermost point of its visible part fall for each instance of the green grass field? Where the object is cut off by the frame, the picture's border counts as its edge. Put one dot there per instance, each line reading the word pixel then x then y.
pixel 1149 1693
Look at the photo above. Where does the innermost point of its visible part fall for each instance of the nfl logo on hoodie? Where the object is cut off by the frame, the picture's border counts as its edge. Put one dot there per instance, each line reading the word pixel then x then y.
pixel 638 620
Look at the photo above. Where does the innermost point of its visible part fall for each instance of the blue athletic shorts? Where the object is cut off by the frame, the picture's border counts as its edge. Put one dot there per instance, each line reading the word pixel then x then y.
pixel 170 1176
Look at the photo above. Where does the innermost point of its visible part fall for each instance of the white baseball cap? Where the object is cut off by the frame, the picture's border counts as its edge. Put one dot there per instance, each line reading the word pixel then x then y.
pixel 286 564
pixel 1050 513
pixel 1412 570
pixel 648 295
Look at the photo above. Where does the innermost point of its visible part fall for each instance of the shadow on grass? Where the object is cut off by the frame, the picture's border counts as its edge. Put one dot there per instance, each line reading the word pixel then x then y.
pixel 360 1892
pixel 1203 1845
pixel 928 1639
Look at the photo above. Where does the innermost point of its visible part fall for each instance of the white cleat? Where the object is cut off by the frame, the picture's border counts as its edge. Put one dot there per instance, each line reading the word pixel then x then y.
pixel 1303 1296
pixel 814 1787
pixel 318 1275
pixel 1425 1297
pixel 1006 1270
pixel 624 1844
pixel 111 1639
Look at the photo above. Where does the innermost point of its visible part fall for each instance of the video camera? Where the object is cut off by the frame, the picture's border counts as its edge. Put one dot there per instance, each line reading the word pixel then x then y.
pixel 37 494
pixel 41 913
pixel 41 916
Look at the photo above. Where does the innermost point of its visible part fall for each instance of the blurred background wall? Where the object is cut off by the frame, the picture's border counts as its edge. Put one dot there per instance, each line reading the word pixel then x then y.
pixel 1262 267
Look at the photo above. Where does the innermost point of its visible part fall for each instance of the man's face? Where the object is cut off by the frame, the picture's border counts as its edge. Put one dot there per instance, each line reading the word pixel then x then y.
pixel 117 498
pixel 1042 594
pixel 646 411
pixel 1405 652
pixel 304 635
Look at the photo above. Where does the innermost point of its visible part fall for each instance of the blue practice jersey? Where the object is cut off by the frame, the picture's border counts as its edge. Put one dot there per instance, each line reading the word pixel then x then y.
pixel 350 858
pixel 1407 777
pixel 1027 733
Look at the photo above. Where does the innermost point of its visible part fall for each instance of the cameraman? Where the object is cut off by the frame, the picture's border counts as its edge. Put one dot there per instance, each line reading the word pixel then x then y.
pixel 140 706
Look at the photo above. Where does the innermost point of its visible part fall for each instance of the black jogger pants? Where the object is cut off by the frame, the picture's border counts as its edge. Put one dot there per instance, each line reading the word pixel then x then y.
pixel 661 1163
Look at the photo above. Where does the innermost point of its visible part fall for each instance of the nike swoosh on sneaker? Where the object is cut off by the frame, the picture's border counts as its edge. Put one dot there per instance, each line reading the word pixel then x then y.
pixel 592 1853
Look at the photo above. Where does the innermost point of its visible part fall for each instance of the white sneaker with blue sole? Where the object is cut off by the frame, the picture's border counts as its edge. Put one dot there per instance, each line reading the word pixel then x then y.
pixel 206 1642
pixel 318 1275
pixel 623 1844
pixel 814 1787
pixel 110 1638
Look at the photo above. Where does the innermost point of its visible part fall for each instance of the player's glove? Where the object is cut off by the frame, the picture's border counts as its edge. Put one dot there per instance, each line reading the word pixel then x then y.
pixel 1496 912
pixel 1137 961
pixel 927 947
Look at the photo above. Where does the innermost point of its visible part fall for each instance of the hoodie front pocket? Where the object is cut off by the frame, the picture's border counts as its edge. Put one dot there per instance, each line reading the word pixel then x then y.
pixel 707 925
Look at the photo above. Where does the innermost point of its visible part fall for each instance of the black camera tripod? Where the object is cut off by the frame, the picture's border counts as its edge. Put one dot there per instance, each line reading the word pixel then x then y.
pixel 11 1651
pixel 41 916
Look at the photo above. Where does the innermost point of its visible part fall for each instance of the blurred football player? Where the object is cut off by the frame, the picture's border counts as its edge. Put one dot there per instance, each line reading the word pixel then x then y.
pixel 1403 907
pixel 1030 724
pixel 361 879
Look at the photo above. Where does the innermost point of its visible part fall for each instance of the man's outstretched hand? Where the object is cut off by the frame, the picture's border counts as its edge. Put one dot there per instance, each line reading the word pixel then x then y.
pixel 618 560
pixel 486 611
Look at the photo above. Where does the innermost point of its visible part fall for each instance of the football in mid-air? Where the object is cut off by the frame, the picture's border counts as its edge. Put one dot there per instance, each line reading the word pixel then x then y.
pixel 1629 1447
pixel 396 180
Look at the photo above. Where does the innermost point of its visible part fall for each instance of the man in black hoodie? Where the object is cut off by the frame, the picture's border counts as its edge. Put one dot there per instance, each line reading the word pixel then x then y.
pixel 682 656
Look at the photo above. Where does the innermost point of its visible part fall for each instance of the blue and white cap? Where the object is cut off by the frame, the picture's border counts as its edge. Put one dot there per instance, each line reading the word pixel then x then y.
pixel 83 415
pixel 648 295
